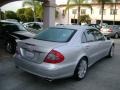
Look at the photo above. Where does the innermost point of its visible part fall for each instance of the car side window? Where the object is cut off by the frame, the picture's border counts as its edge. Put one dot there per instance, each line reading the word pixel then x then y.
pixel 98 35
pixel 11 28
pixel 90 35
pixel 36 26
pixel 83 39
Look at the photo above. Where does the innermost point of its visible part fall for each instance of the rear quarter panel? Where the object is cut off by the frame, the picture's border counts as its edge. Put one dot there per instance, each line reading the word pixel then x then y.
pixel 72 55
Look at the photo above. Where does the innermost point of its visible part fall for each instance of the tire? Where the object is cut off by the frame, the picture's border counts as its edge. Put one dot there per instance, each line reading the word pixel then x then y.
pixel 81 69
pixel 10 46
pixel 111 52
pixel 116 36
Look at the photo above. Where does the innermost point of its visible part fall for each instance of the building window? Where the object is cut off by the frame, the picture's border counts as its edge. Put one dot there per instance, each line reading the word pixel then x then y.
pixel 113 11
pixel 104 11
pixel 74 21
pixel 63 13
pixel 83 11
pixel 74 11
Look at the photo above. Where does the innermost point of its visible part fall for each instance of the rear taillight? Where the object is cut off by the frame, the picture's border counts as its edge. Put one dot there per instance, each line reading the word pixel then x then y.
pixel 54 57
pixel 110 30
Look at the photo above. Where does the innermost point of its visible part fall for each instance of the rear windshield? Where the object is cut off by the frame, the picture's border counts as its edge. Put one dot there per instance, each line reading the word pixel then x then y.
pixel 106 26
pixel 56 34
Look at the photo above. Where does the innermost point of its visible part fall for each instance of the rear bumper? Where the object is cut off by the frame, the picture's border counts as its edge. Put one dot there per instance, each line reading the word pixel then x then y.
pixel 45 70
pixel 108 34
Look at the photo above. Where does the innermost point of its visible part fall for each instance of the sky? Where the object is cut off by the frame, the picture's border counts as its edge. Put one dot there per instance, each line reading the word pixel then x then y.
pixel 18 4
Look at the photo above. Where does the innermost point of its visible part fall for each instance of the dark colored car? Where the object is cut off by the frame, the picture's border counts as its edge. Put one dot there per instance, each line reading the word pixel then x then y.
pixel 10 33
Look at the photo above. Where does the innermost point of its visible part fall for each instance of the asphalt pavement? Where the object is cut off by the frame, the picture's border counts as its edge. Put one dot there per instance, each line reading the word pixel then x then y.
pixel 104 75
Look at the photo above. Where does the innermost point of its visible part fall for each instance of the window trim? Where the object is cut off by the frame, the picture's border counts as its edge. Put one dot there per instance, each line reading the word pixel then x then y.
pixel 85 38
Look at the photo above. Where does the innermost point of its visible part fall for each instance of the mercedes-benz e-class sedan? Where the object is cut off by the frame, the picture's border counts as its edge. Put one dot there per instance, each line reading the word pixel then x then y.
pixel 63 51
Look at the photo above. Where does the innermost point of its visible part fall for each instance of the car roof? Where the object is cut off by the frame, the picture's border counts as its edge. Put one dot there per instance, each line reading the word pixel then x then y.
pixel 34 22
pixel 76 27
pixel 5 21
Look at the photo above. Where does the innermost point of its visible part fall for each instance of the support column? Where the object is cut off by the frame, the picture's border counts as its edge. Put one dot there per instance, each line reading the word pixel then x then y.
pixel 49 13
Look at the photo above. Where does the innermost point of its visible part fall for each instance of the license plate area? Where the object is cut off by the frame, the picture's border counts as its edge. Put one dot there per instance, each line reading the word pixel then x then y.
pixel 28 54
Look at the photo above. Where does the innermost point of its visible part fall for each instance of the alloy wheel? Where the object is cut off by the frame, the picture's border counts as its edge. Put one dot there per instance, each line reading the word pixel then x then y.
pixel 82 69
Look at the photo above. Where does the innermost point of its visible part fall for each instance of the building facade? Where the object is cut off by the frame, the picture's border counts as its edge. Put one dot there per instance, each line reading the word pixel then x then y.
pixel 111 13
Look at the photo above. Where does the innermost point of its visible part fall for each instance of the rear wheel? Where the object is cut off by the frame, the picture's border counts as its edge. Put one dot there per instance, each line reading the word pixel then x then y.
pixel 10 46
pixel 116 35
pixel 81 69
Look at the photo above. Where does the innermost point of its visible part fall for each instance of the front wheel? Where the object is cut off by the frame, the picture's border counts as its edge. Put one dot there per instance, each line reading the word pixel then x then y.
pixel 116 36
pixel 81 69
pixel 10 46
pixel 111 52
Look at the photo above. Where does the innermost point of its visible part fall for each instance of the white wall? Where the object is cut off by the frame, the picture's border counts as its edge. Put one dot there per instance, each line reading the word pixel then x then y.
pixel 94 16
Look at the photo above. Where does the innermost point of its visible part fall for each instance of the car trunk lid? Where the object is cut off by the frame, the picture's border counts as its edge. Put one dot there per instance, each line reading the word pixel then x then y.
pixel 36 50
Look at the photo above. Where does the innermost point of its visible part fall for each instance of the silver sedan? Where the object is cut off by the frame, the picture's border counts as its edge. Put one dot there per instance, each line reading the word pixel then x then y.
pixel 63 51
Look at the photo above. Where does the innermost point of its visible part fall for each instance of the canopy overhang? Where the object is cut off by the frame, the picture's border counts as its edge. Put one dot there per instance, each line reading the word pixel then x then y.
pixel 3 2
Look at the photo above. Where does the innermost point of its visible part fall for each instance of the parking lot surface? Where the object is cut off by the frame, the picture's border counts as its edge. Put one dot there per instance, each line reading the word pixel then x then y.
pixel 104 75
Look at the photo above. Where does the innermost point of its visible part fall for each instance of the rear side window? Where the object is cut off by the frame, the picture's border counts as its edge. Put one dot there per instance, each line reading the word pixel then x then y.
pixel 98 35
pixel 90 35
pixel 56 34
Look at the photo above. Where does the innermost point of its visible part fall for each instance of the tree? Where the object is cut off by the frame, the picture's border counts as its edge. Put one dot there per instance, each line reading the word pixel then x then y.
pixel 85 19
pixel 10 15
pixel 56 13
pixel 36 5
pixel 20 14
pixel 78 3
pixel 1 15
pixel 28 14
pixel 39 11
pixel 102 2
pixel 25 14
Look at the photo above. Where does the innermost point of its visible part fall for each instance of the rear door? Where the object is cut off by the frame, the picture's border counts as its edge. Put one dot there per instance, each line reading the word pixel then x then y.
pixel 91 46
pixel 103 44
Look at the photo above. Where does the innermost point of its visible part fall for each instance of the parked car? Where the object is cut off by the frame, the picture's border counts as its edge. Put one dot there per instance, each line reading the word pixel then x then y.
pixel 34 27
pixel 11 20
pixel 111 30
pixel 63 51
pixel 95 26
pixel 11 32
